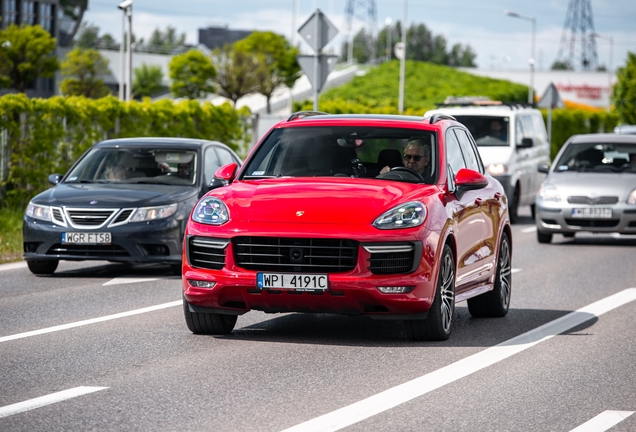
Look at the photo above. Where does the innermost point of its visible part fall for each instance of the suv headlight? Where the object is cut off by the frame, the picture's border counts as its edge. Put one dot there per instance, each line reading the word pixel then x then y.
pixel 36 211
pixel 631 199
pixel 549 192
pixel 144 214
pixel 407 215
pixel 497 169
pixel 212 211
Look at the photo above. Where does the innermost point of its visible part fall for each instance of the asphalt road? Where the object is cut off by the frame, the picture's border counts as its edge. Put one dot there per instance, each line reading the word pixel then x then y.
pixel 101 346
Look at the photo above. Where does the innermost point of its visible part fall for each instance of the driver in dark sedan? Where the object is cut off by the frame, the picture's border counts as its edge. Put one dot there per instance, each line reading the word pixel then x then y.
pixel 417 156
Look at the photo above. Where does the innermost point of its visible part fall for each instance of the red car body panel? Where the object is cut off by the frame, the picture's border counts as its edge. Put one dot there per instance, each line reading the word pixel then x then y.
pixel 344 207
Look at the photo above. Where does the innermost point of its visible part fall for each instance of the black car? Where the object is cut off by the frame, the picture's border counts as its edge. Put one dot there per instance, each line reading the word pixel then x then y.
pixel 124 200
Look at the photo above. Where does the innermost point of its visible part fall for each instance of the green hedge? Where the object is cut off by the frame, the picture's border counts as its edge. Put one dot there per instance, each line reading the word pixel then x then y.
pixel 46 136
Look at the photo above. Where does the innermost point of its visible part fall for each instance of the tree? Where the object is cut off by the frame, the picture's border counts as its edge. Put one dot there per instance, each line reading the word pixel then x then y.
pixel 88 37
pixel 147 80
pixel 235 72
pixel 192 74
pixel 84 69
pixel 561 65
pixel 276 59
pixel 624 92
pixel 26 52
pixel 165 42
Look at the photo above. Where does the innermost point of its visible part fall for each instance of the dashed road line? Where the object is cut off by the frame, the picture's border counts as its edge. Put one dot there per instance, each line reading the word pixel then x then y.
pixel 403 393
pixel 90 321
pixel 514 270
pixel 122 280
pixel 47 400
pixel 603 421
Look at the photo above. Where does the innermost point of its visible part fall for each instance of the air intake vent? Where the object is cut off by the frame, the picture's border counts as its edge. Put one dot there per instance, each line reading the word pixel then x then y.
pixel 207 252
pixel 602 200
pixel 393 258
pixel 82 218
pixel 58 218
pixel 301 255
pixel 122 217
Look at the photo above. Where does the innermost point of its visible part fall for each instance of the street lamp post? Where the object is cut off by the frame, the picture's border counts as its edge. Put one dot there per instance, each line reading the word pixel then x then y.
pixel 609 67
pixel 532 58
pixel 126 83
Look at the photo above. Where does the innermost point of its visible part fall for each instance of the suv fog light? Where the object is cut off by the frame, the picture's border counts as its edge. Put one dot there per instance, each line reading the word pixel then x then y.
pixel 396 289
pixel 201 283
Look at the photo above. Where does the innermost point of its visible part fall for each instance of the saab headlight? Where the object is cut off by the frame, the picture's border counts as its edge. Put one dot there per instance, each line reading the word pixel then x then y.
pixel 549 192
pixel 631 199
pixel 407 215
pixel 497 169
pixel 36 211
pixel 211 210
pixel 145 214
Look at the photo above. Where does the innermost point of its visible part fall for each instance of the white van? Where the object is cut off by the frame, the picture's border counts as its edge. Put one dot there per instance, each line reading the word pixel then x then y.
pixel 512 142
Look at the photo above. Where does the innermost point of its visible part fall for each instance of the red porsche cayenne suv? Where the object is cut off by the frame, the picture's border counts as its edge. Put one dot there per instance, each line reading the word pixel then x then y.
pixel 393 217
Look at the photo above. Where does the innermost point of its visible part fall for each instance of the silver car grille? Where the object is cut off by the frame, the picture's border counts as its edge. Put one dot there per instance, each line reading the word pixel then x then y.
pixel 601 200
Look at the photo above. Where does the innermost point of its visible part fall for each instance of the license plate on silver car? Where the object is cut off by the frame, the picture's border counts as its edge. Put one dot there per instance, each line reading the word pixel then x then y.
pixel 295 282
pixel 592 213
pixel 86 238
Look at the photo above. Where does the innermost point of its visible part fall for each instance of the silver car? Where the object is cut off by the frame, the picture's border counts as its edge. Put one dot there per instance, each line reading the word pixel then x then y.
pixel 590 187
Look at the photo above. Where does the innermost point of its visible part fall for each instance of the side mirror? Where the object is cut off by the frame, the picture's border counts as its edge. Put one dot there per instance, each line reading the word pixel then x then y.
pixel 467 179
pixel 215 183
pixel 226 173
pixel 543 168
pixel 525 143
pixel 55 179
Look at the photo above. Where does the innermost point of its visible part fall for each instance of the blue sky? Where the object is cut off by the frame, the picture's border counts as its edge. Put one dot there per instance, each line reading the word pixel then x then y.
pixel 501 42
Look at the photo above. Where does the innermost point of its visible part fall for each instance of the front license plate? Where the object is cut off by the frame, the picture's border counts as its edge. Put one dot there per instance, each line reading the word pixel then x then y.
pixel 86 238
pixel 294 282
pixel 592 213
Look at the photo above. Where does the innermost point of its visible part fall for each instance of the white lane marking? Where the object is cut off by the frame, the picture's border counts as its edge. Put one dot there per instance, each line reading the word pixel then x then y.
pixel 515 270
pixel 529 229
pixel 121 280
pixel 13 266
pixel 47 400
pixel 90 321
pixel 402 393
pixel 603 421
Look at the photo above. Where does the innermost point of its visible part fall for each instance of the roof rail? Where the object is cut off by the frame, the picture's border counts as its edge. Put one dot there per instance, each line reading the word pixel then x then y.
pixel 303 114
pixel 497 104
pixel 440 116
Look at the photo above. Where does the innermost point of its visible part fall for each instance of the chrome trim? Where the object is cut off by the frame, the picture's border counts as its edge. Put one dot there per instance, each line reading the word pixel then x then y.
pixel 112 211
pixel 132 212
pixel 218 244
pixel 389 248
pixel 475 273
pixel 472 293
pixel 62 221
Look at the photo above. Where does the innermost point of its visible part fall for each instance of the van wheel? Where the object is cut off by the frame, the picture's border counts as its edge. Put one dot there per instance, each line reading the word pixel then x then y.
pixel 544 237
pixel 513 206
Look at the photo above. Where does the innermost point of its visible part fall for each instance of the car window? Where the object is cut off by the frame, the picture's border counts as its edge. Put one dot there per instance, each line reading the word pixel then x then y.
pixel 519 132
pixel 539 127
pixel 225 157
pixel 350 151
pixel 467 149
pixel 598 157
pixel 454 156
pixel 488 131
pixel 211 164
pixel 528 126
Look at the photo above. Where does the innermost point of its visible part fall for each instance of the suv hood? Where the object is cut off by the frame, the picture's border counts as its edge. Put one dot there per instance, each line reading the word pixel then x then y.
pixel 351 201
pixel 109 195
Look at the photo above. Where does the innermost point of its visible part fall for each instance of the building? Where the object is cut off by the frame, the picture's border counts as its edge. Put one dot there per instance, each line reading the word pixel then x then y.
pixel 217 37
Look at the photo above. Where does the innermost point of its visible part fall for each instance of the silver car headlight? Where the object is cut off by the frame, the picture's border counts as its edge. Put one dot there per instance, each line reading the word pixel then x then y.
pixel 497 169
pixel 549 192
pixel 212 211
pixel 631 199
pixel 145 214
pixel 36 211
pixel 408 215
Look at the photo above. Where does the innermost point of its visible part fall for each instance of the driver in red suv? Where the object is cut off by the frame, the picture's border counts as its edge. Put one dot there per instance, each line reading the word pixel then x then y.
pixel 417 156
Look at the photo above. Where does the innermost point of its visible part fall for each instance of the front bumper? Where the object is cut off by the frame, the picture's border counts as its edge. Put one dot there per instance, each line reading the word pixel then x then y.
pixel 143 242
pixel 556 217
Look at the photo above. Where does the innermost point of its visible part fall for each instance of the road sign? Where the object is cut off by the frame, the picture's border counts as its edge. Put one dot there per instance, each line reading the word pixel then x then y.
pixel 551 98
pixel 399 50
pixel 326 64
pixel 318 30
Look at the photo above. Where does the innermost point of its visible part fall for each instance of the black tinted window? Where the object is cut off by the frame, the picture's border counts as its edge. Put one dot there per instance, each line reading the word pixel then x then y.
pixel 467 149
pixel 454 156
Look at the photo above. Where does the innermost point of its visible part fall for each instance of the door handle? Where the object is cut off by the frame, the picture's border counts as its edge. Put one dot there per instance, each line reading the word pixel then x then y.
pixel 478 202
pixel 498 196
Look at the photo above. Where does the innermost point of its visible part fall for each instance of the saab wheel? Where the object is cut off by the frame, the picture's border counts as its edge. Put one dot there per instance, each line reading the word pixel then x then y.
pixel 175 269
pixel 42 267
pixel 495 303
pixel 513 206
pixel 437 326
pixel 568 234
pixel 544 237
pixel 208 323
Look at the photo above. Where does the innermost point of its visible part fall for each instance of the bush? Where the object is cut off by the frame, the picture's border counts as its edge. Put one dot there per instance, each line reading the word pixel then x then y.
pixel 46 136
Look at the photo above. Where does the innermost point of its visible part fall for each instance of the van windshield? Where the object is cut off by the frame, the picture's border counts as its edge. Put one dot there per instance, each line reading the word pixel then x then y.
pixel 488 131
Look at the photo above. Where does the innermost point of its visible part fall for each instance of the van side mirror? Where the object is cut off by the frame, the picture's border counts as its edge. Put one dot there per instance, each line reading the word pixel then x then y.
pixel 543 168
pixel 525 143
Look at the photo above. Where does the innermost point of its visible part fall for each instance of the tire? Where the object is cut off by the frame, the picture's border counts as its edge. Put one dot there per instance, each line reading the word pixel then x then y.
pixel 544 237
pixel 533 211
pixel 42 267
pixel 513 206
pixel 175 269
pixel 437 326
pixel 495 303
pixel 568 234
pixel 208 323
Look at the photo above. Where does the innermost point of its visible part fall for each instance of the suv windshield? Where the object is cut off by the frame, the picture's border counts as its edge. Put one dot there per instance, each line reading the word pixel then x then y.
pixel 344 151
pixel 487 130
pixel 598 157
pixel 136 165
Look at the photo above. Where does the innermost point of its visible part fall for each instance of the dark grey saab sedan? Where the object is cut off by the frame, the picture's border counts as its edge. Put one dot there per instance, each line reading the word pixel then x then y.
pixel 124 200
pixel 590 187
